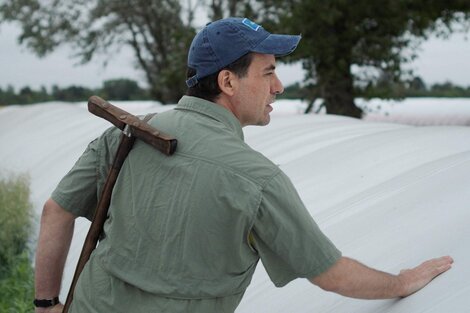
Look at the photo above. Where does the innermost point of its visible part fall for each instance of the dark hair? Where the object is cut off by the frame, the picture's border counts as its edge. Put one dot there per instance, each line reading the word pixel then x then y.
pixel 208 87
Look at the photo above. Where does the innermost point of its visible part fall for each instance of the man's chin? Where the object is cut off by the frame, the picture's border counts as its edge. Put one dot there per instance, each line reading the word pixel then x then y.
pixel 266 121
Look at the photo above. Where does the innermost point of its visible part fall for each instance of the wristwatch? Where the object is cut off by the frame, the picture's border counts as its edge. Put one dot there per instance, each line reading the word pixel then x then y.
pixel 45 303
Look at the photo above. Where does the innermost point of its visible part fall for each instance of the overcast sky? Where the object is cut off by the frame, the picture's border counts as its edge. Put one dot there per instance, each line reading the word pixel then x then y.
pixel 439 60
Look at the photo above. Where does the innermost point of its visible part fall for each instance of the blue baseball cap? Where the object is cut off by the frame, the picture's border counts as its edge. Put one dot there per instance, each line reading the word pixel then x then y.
pixel 222 42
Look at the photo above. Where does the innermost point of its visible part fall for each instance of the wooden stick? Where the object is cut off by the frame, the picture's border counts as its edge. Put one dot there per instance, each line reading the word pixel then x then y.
pixel 101 213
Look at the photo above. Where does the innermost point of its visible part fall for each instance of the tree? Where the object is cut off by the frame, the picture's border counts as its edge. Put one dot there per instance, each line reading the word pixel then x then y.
pixel 121 89
pixel 7 96
pixel 375 34
pixel 71 93
pixel 154 30
pixel 219 9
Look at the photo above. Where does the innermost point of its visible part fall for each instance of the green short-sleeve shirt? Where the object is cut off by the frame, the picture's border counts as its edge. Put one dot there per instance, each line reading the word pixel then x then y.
pixel 194 225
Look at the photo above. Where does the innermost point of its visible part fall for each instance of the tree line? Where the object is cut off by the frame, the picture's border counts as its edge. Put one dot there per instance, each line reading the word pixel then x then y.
pixel 127 89
pixel 114 89
pixel 336 35
pixel 386 89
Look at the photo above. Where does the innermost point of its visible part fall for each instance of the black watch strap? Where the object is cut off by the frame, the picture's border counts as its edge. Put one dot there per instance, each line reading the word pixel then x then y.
pixel 45 303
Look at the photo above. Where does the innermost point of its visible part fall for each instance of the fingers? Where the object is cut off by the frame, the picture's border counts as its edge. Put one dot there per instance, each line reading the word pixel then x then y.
pixel 418 277
pixel 442 260
pixel 437 266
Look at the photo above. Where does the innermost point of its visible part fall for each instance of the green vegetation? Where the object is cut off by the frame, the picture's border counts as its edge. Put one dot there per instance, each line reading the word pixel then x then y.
pixel 390 89
pixel 16 273
pixel 387 89
pixel 115 89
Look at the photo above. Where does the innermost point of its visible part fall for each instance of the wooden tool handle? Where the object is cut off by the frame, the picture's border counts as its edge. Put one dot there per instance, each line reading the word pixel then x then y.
pixel 100 215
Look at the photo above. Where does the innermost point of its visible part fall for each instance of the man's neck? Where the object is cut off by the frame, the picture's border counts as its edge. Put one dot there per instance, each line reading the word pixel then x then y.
pixel 227 104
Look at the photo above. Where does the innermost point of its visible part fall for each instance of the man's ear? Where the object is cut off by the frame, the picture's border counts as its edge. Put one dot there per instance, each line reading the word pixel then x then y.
pixel 227 81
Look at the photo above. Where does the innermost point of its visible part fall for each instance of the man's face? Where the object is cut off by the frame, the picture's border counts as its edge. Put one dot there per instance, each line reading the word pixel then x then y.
pixel 257 91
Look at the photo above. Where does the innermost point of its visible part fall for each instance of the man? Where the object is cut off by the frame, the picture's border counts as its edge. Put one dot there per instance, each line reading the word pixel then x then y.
pixel 185 233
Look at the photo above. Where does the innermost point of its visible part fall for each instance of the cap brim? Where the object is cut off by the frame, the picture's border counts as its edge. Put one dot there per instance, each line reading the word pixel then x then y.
pixel 279 45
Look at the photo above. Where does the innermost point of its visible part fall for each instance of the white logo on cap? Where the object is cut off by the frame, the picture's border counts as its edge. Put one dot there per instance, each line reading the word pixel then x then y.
pixel 251 24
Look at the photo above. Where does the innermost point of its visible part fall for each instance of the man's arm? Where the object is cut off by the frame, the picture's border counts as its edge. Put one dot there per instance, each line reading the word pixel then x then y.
pixel 353 279
pixel 55 236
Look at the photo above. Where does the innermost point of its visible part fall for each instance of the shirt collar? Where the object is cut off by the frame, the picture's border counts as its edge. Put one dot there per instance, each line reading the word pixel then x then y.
pixel 212 110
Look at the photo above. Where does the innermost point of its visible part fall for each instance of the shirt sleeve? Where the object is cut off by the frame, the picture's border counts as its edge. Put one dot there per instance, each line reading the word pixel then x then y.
pixel 289 242
pixel 80 188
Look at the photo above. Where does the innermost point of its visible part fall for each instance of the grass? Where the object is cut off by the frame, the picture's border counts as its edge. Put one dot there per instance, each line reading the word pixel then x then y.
pixel 16 273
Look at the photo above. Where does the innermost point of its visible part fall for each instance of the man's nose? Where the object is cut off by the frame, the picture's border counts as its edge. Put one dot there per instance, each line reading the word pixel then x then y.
pixel 277 87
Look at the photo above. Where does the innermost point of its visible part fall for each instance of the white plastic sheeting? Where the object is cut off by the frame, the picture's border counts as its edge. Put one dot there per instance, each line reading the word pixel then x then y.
pixel 388 195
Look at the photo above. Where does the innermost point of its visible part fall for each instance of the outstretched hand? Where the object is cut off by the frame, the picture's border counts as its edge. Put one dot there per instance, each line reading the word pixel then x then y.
pixel 416 278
